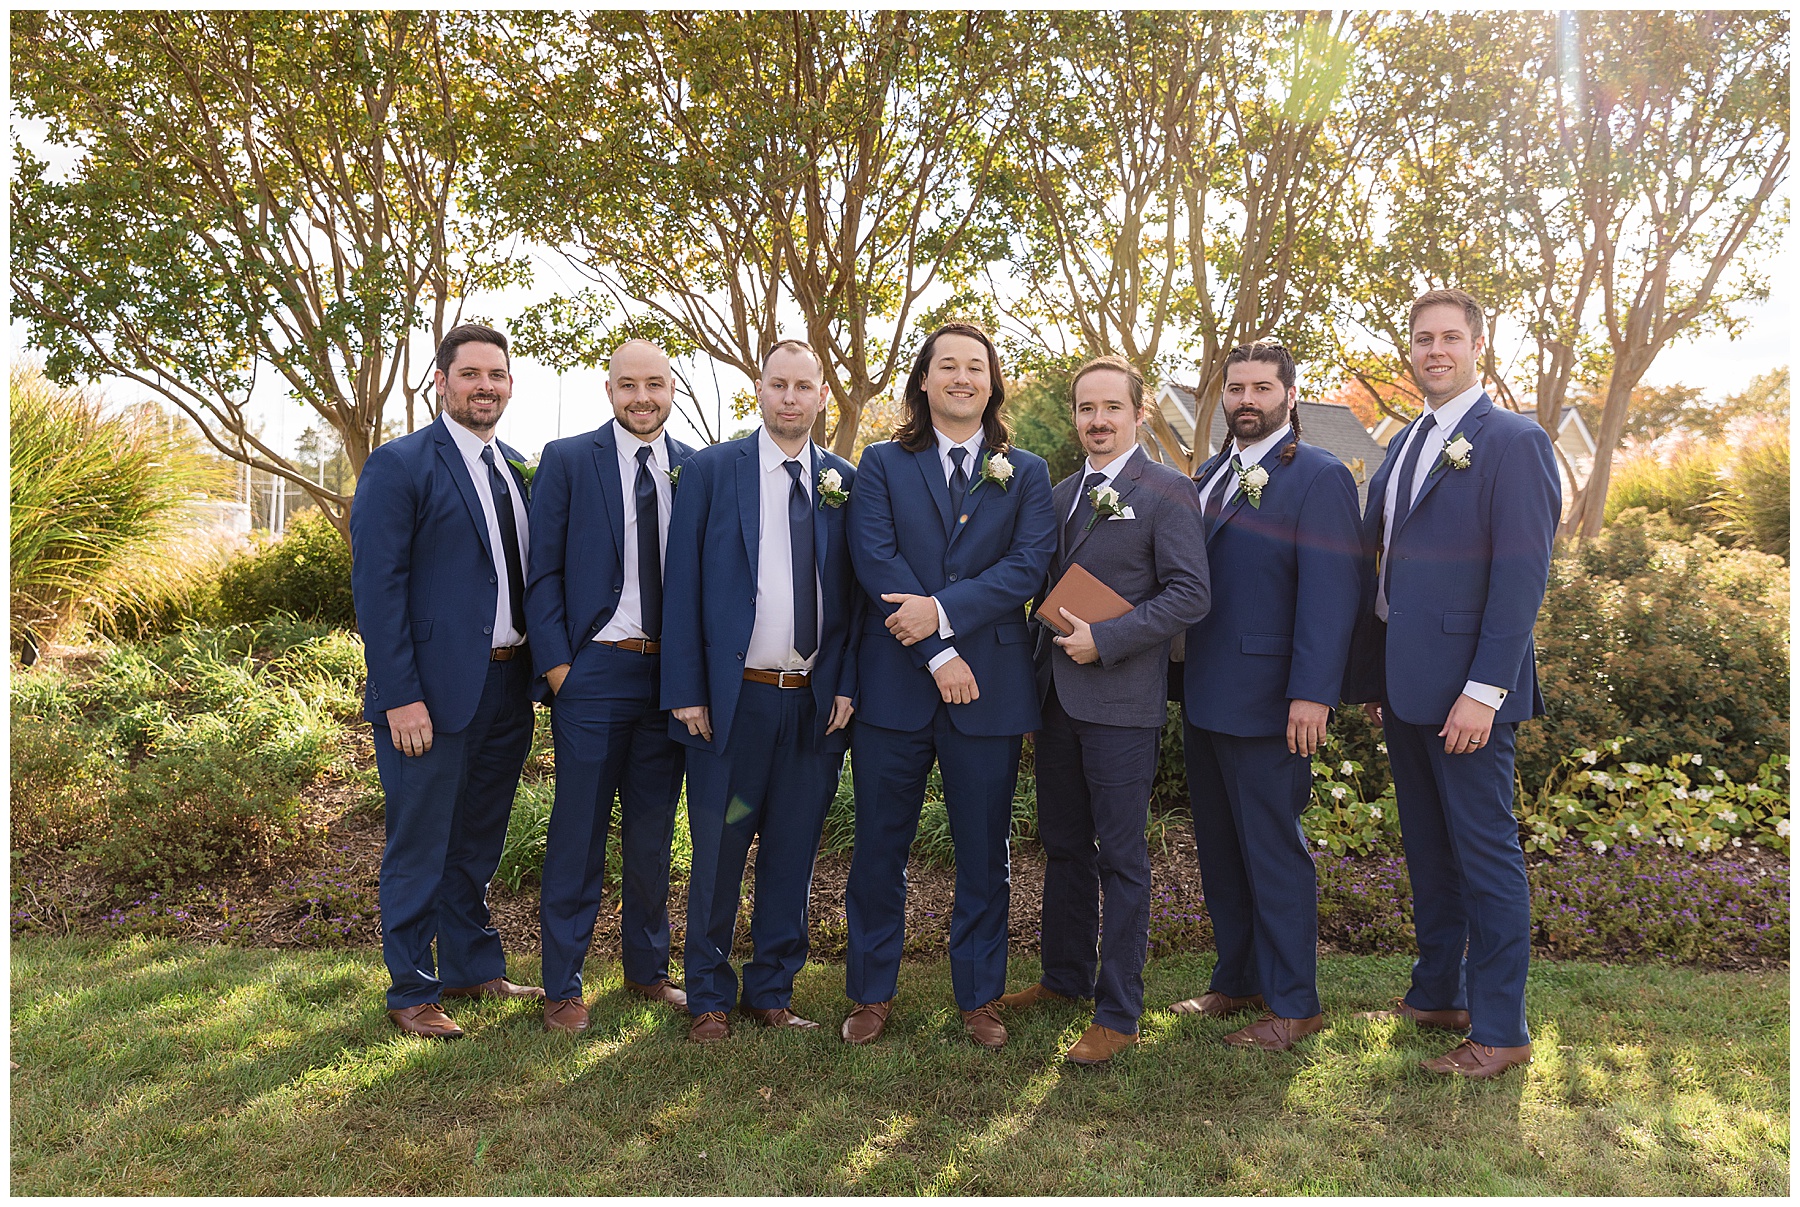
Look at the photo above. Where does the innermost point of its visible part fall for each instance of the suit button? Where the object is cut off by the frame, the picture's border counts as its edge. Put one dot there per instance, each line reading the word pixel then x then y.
pixel 488 630
pixel 492 579
pixel 740 657
pixel 953 578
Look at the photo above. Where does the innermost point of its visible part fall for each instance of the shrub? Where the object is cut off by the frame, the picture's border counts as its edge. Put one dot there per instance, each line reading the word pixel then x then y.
pixel 1752 504
pixel 101 520
pixel 305 573
pixel 1678 644
pixel 1042 422
pixel 1681 487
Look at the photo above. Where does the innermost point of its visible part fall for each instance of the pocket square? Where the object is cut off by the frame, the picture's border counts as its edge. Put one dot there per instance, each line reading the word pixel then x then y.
pixel 1127 514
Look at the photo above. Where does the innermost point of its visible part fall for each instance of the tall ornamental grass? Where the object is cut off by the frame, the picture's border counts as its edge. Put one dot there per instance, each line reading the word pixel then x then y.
pixel 102 520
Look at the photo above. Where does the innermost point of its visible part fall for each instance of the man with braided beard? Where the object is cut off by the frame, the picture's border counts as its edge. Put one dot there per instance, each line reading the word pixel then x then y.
pixel 1263 669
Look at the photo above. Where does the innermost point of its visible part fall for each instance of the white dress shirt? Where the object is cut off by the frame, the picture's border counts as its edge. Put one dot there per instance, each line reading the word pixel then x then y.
pixel 1447 416
pixel 627 619
pixel 1111 471
pixel 772 633
pixel 508 629
pixel 1246 458
pixel 973 447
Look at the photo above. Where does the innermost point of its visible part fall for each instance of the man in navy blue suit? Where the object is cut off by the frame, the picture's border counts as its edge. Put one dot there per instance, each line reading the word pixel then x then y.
pixel 1134 525
pixel 950 533
pixel 1457 539
pixel 595 602
pixel 761 695
pixel 438 535
pixel 1261 674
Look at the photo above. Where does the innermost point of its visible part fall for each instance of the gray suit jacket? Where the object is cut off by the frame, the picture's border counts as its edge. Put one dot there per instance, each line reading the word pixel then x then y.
pixel 1157 560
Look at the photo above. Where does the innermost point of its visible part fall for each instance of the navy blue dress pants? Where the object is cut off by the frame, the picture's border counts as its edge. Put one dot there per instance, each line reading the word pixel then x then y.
pixel 1093 797
pixel 890 768
pixel 1256 875
pixel 446 815
pixel 773 783
pixel 611 741
pixel 1471 901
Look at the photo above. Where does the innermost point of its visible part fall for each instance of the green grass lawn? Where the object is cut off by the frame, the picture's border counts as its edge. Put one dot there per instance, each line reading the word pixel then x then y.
pixel 163 1068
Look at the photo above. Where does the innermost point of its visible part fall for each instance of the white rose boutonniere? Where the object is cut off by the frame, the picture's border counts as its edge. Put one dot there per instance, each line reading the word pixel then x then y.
pixel 996 469
pixel 831 489
pixel 1251 480
pixel 1457 450
pixel 1106 505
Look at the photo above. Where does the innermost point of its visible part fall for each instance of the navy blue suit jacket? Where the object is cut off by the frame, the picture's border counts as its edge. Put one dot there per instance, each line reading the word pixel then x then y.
pixel 710 588
pixel 1468 570
pixel 1284 594
pixel 983 562
pixel 422 577
pixel 577 542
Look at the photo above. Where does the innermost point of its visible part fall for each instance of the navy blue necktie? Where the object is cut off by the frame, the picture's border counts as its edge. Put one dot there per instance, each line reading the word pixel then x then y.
pixel 509 538
pixel 1403 496
pixel 1084 507
pixel 1215 499
pixel 800 542
pixel 959 482
pixel 649 549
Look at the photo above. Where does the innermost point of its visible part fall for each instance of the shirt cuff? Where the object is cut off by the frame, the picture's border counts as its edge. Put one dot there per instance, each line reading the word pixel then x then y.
pixel 944 629
pixel 941 657
pixel 1485 693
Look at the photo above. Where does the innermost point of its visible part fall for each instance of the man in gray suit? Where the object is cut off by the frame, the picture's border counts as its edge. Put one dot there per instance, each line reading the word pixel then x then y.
pixel 1136 526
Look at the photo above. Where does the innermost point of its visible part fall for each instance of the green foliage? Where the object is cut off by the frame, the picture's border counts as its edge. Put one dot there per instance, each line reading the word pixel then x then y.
pixel 1682 486
pixel 103 528
pixel 181 758
pixel 304 573
pixel 1752 504
pixel 528 836
pixel 1038 413
pixel 1345 816
pixel 1681 803
pixel 1679 645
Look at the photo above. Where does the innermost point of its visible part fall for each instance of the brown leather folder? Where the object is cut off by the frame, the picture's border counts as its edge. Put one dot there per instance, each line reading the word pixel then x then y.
pixel 1085 596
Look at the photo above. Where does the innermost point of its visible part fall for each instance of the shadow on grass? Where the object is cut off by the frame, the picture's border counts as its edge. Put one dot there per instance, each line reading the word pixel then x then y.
pixel 150 1067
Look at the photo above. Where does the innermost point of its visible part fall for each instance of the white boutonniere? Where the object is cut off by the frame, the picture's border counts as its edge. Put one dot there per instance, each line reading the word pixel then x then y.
pixel 1106 505
pixel 527 469
pixel 674 476
pixel 996 469
pixel 1251 480
pixel 1456 452
pixel 831 489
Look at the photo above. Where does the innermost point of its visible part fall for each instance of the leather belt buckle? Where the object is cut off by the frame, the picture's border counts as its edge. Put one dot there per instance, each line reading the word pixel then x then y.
pixel 799 677
pixel 505 653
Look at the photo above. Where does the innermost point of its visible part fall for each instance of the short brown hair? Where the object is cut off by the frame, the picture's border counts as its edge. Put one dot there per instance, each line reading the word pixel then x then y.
pixel 1448 297
pixel 801 344
pixel 914 432
pixel 469 333
pixel 1117 364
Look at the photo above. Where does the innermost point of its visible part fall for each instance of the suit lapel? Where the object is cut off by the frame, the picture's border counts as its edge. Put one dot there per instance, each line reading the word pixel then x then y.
pixel 465 485
pixel 749 490
pixel 612 498
pixel 1470 424
pixel 820 527
pixel 1062 498
pixel 931 470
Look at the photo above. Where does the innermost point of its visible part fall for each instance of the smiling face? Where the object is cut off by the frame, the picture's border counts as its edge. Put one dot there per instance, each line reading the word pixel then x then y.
pixel 477 387
pixel 642 388
pixel 1105 418
pixel 791 396
pixel 1256 403
pixel 957 384
pixel 1445 354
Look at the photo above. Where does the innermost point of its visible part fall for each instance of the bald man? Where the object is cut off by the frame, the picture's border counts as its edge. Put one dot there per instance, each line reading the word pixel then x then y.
pixel 594 601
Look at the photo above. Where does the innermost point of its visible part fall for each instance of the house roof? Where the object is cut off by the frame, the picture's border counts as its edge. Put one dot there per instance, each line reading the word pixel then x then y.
pixel 1335 429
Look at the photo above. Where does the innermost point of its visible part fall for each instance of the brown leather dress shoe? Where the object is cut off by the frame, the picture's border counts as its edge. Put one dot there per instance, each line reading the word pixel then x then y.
pixel 709 1028
pixel 1098 1045
pixel 498 987
pixel 1214 1004
pixel 661 990
pixel 427 1019
pixel 1443 1020
pixel 1272 1033
pixel 983 1025
pixel 1033 994
pixel 866 1023
pixel 780 1016
pixel 568 1014
pixel 1477 1061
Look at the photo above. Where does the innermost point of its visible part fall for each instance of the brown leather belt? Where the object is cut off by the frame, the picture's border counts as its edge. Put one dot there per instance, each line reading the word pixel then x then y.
pixel 779 678
pixel 637 645
pixel 505 653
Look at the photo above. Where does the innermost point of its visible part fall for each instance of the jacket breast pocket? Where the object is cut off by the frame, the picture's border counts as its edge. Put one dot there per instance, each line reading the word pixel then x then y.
pixel 421 630
pixel 1276 645
pixel 1462 622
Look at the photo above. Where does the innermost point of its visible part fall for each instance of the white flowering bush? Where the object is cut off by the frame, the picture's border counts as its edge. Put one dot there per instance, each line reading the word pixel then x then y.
pixel 1341 819
pixel 1602 800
